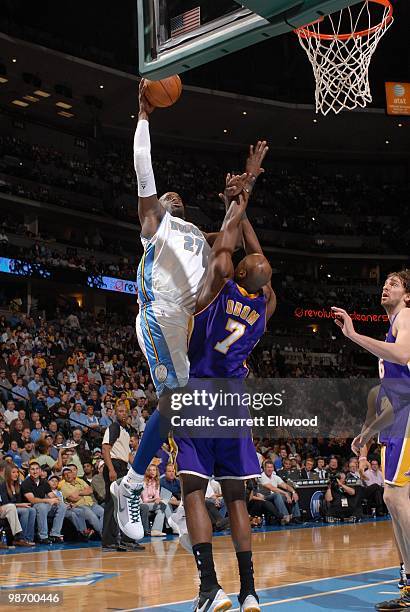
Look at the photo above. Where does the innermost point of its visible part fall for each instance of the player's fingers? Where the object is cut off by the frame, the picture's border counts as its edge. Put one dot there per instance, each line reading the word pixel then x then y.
pixel 250 149
pixel 338 323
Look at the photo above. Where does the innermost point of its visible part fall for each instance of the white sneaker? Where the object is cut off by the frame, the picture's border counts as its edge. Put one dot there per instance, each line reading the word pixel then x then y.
pixel 177 522
pixel 127 501
pixel 212 602
pixel 250 605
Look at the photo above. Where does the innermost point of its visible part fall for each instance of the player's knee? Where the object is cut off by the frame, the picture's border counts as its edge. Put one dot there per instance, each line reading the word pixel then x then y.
pixel 193 484
pixel 392 496
pixel 233 490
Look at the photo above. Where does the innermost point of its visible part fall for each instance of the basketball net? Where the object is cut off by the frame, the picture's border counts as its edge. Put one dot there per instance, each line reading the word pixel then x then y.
pixel 340 60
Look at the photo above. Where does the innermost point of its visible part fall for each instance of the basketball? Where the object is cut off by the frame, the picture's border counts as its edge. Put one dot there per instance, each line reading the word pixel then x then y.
pixel 165 92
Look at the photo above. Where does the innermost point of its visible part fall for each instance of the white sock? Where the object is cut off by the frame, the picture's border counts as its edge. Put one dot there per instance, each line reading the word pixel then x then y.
pixel 133 478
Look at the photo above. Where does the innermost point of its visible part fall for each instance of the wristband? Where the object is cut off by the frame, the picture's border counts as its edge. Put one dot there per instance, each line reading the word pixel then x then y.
pixel 362 458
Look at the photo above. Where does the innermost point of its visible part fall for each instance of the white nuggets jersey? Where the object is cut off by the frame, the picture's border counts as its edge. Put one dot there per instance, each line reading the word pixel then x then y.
pixel 174 263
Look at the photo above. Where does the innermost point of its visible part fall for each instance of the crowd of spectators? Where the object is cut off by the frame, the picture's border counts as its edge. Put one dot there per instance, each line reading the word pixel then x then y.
pixel 304 203
pixel 61 382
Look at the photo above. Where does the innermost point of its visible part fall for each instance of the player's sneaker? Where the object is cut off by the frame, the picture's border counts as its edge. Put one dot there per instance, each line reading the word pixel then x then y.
pixel 403 578
pixel 177 522
pixel 127 501
pixel 250 604
pixel 213 601
pixel 396 605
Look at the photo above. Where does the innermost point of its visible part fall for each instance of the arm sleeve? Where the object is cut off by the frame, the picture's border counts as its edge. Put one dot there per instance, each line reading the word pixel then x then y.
pixel 142 160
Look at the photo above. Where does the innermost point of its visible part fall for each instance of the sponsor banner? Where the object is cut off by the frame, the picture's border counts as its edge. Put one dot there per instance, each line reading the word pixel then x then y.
pixel 326 313
pixel 109 283
pixel 398 98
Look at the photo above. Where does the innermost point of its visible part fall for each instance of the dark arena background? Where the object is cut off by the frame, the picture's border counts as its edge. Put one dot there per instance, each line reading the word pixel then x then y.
pixel 332 214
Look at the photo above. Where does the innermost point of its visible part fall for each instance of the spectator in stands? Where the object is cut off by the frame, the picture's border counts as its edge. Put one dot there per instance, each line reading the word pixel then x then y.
pixel 333 466
pixel 288 472
pixel 283 453
pixel 74 515
pixel 308 472
pixel 259 506
pixel 340 498
pixel 152 497
pixel 88 472
pixel 79 495
pixel 98 484
pixel 10 413
pixel 20 394
pixel 38 493
pixel 77 417
pixel 213 494
pixel 170 481
pixel 10 494
pixel 373 482
pixel 281 494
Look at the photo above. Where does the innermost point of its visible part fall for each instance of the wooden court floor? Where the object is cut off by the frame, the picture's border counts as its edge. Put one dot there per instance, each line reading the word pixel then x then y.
pixel 165 574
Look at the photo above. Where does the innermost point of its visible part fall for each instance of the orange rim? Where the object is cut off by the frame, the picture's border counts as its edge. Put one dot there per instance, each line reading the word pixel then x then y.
pixel 305 32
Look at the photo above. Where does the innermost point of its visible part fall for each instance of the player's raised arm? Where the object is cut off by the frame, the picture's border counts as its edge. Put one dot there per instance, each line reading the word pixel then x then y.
pixel 397 352
pixel 252 245
pixel 150 211
pixel 220 266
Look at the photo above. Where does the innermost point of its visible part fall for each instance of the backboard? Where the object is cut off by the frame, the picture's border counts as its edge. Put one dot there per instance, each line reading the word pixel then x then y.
pixel 177 35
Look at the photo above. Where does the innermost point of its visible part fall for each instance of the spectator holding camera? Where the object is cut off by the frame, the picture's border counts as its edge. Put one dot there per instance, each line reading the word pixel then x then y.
pixel 340 498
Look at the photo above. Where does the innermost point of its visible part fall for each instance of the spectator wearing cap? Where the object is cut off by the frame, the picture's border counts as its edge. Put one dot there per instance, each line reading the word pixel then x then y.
pixel 37 491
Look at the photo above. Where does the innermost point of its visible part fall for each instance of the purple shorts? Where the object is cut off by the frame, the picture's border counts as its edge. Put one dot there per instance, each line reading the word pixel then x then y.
pixel 221 458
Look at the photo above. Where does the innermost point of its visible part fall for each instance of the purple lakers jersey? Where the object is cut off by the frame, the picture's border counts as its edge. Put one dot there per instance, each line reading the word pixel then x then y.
pixel 225 333
pixel 395 385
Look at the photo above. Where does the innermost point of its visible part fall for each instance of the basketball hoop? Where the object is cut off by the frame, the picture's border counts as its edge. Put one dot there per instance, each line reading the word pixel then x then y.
pixel 340 48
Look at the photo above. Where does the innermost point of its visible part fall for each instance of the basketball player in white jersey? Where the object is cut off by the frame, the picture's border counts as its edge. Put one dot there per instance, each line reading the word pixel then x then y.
pixel 170 275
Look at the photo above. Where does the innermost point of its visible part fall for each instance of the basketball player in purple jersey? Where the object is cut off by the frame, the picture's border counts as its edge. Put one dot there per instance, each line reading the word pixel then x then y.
pixel 393 397
pixel 231 314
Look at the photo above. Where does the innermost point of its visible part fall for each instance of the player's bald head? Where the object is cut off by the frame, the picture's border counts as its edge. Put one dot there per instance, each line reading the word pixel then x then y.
pixel 253 272
pixel 172 202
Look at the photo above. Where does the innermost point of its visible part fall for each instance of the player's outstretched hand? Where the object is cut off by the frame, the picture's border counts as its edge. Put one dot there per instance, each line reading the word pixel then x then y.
pixel 358 445
pixel 344 321
pixel 255 159
pixel 234 185
pixel 145 107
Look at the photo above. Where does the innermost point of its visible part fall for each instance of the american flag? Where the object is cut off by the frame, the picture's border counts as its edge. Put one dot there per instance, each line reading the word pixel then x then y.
pixel 190 20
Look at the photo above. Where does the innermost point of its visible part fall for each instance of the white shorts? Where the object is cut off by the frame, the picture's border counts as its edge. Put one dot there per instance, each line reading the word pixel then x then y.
pixel 163 332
